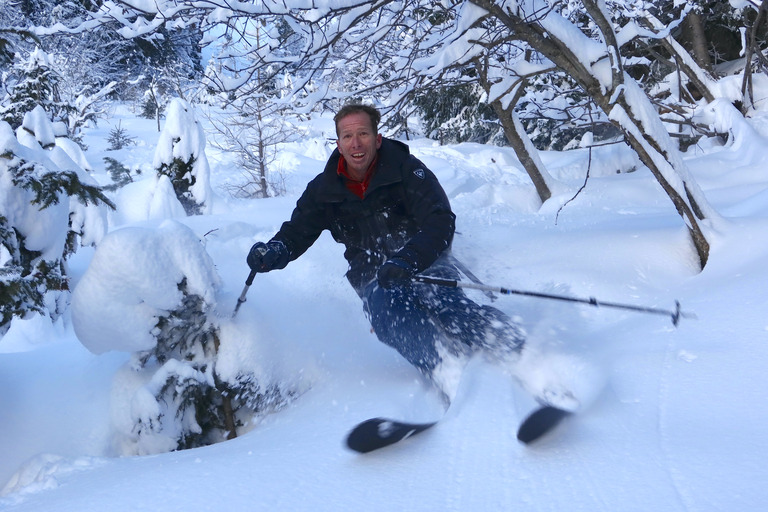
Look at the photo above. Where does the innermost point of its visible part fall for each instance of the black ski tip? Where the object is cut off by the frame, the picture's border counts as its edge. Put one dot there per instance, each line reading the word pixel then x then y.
pixel 377 433
pixel 365 437
pixel 540 421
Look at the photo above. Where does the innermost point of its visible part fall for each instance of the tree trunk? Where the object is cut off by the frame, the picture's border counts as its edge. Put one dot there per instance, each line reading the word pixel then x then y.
pixel 521 143
pixel 695 73
pixel 690 212
pixel 697 68
pixel 640 133
pixel 693 31
pixel 515 133
pixel 751 48
pixel 227 412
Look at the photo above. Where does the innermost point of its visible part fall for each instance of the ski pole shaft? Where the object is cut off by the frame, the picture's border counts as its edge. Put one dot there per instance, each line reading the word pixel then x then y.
pixel 241 299
pixel 675 314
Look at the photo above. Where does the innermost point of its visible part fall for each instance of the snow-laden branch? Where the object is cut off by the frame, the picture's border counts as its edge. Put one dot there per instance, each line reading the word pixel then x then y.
pixel 337 48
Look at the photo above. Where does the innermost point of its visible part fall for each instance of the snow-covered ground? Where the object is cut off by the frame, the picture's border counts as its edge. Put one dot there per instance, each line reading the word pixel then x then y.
pixel 677 420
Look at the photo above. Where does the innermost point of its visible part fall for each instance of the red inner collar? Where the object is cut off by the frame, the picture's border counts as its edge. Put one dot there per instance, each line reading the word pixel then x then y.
pixel 356 187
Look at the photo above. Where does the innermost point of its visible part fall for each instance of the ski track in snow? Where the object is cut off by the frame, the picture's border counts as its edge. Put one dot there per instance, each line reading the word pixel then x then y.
pixel 665 444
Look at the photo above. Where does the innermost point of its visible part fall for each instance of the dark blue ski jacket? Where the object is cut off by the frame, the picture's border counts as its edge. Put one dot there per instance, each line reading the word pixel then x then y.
pixel 404 213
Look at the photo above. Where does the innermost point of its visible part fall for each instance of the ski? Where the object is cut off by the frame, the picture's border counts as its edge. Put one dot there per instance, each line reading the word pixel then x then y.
pixel 377 433
pixel 540 422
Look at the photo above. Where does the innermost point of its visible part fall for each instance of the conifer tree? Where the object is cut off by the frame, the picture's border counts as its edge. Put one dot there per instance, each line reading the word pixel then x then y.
pixel 191 406
pixel 32 82
pixel 44 215
pixel 189 387
pixel 180 155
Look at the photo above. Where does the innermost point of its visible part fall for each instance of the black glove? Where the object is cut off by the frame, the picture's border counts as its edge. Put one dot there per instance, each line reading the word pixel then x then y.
pixel 395 272
pixel 270 256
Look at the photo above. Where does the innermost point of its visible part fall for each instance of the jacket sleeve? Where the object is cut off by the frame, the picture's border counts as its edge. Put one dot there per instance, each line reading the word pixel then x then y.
pixel 307 222
pixel 428 204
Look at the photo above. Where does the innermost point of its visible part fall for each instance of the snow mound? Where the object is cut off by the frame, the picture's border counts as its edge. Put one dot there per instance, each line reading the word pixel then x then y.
pixel 133 279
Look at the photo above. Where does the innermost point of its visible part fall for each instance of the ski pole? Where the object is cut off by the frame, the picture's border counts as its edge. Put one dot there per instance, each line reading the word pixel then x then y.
pixel 675 314
pixel 241 299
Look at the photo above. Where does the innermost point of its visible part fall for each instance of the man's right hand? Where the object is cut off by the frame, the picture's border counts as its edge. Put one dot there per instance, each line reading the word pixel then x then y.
pixel 395 272
pixel 270 256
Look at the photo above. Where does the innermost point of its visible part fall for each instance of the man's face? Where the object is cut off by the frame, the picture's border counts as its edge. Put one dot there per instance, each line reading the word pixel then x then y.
pixel 357 143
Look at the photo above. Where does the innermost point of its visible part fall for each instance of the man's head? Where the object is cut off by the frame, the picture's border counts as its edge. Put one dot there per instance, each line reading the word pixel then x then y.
pixel 358 137
pixel 355 108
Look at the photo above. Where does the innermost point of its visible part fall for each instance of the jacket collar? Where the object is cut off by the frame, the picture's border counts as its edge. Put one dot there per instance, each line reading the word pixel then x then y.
pixel 392 156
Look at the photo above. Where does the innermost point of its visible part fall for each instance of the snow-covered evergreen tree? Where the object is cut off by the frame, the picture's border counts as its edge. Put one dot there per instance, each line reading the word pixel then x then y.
pixel 162 308
pixel 35 80
pixel 180 155
pixel 31 83
pixel 48 207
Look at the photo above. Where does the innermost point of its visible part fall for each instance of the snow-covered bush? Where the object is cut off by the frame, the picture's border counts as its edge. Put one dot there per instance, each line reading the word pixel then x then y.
pixel 152 292
pixel 49 206
pixel 180 155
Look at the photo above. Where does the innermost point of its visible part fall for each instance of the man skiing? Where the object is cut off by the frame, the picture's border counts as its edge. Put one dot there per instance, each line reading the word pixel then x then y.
pixel 394 219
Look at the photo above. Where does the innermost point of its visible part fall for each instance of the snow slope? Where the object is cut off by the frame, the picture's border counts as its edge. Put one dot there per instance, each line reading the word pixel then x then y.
pixel 678 414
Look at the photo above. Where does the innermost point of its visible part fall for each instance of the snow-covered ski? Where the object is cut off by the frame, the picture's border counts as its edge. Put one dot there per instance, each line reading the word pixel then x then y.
pixel 540 422
pixel 377 433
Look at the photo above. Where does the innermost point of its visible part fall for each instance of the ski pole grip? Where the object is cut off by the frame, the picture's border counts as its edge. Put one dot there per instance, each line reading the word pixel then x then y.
pixel 435 280
pixel 251 277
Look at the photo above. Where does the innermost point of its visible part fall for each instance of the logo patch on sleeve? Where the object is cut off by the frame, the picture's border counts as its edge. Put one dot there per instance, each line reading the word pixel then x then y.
pixel 420 173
